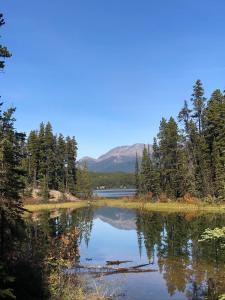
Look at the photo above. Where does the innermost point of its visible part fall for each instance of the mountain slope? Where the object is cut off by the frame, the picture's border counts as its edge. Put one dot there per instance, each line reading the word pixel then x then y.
pixel 119 159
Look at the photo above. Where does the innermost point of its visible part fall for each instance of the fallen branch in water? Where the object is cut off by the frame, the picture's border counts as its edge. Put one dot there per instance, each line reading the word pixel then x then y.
pixel 117 262
pixel 109 270
pixel 139 266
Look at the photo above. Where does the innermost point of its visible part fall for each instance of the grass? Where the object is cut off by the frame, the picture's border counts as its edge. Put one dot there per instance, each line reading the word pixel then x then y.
pixel 46 206
pixel 121 203
pixel 163 207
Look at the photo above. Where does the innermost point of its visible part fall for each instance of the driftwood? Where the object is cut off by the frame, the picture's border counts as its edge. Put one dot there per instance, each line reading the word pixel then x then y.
pixel 95 268
pixel 117 262
pixel 110 270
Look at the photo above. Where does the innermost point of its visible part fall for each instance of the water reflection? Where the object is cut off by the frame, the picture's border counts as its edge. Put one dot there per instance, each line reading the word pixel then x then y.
pixel 187 269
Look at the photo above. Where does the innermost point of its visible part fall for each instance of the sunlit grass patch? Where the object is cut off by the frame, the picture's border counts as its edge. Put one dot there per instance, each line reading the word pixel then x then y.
pixel 127 203
pixel 46 206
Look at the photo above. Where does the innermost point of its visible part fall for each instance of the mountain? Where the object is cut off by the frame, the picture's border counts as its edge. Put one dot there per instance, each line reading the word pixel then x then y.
pixel 120 218
pixel 119 159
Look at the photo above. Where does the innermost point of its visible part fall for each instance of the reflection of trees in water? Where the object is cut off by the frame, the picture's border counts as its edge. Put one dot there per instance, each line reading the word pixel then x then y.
pixel 51 224
pixel 186 264
pixel 51 240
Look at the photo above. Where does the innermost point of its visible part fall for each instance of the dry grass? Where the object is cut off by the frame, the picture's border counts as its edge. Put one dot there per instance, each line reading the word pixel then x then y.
pixel 164 207
pixel 128 203
pixel 46 206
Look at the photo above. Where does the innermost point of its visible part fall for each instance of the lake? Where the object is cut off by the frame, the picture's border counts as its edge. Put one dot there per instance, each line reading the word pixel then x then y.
pixel 115 193
pixel 179 266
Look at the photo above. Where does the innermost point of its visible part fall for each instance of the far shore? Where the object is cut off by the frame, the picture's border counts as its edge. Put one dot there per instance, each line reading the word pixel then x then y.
pixel 129 204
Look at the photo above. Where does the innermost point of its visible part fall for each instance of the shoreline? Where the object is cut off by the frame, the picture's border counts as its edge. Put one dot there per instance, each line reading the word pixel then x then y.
pixel 121 203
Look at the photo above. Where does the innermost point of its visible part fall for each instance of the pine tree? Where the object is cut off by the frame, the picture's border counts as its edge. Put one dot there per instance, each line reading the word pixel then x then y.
pixel 83 187
pixel 44 189
pixel 198 101
pixel 42 163
pixel 156 186
pixel 11 182
pixel 145 173
pixel 60 163
pixel 186 158
pixel 184 116
pixel 71 154
pixel 215 137
pixel 32 158
pixel 4 52
pixel 200 150
pixel 50 147
pixel 168 147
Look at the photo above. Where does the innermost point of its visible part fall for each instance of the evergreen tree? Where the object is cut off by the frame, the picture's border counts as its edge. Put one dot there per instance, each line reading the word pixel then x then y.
pixel 42 153
pixel 4 52
pixel 145 173
pixel 71 154
pixel 215 137
pixel 32 159
pixel 44 189
pixel 156 189
pixel 51 160
pixel 61 163
pixel 200 151
pixel 83 187
pixel 11 182
pixel 169 146
pixel 198 101
pixel 184 116
pixel 50 147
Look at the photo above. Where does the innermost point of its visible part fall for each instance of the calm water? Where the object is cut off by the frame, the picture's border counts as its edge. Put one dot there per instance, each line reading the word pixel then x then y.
pixel 115 193
pixel 182 265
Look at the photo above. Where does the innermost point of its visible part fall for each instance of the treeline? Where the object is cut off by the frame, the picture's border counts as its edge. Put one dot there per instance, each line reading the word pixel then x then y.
pixel 50 160
pixel 42 160
pixel 112 180
pixel 189 155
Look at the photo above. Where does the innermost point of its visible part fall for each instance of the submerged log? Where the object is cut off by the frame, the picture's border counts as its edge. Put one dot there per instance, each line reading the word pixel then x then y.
pixel 117 262
pixel 110 270
pixel 139 266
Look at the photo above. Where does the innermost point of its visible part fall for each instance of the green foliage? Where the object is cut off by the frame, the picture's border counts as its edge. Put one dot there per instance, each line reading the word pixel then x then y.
pixel 4 52
pixel 11 183
pixel 213 234
pixel 145 175
pixel 190 159
pixel 84 186
pixel 44 190
pixel 5 280
pixel 112 180
pixel 50 160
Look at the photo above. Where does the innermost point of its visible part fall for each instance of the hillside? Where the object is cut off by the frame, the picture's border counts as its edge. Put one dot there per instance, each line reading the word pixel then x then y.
pixel 112 180
pixel 119 159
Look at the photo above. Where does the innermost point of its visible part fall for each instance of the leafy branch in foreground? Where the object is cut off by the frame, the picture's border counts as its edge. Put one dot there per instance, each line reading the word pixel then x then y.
pixel 4 52
pixel 216 234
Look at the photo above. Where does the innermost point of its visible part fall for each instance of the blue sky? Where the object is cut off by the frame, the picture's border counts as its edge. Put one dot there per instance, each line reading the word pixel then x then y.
pixel 107 71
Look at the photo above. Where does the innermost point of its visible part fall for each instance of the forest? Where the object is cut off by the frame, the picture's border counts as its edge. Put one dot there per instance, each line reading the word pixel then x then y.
pixel 188 158
pixel 112 180
pixel 189 155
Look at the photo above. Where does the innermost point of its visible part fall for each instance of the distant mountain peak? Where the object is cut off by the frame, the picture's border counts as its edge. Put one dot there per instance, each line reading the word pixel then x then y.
pixel 86 158
pixel 118 159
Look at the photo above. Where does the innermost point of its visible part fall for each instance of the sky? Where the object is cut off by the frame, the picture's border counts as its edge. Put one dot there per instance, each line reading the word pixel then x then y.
pixel 107 71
